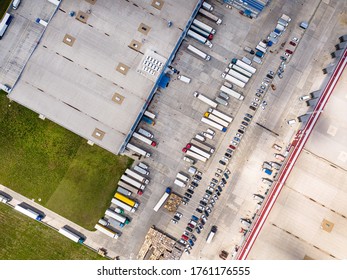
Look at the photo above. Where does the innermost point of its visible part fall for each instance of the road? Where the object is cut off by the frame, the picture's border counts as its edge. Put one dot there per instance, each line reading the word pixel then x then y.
pixel 295 150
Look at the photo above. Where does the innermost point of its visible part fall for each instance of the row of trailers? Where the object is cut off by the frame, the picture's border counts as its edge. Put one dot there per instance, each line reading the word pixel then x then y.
pixel 37 215
pixel 131 183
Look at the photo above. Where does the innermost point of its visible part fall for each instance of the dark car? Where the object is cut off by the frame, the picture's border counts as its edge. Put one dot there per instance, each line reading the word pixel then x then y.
pixel 188 195
pixel 197 177
pixel 198 230
pixel 292 43
pixel 218 193
pixel 222 162
pixel 206 213
pixel 270 76
pixel 190 191
pixel 248 115
pixel 198 210
pixel 245 123
pixel 247 119
pixel 202 222
pixel 191 242
pixel 226 176
pixel 194 184
pixel 189 229
pixel 193 237
pixel 252 108
pixel 232 147
pixel 203 203
pixel 195 218
pixel 227 155
pixel 220 189
pixel 209 192
pixel 240 131
pixel 289 51
pixel 214 180
pixel 224 181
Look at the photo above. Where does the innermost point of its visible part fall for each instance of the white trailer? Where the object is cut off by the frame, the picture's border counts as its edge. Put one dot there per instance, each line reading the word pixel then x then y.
pixel 233 80
pixel 207 6
pixel 237 75
pixel 213 124
pixel 28 212
pixel 138 150
pixel 139 169
pixel 182 177
pixel 136 176
pixel 71 235
pixel 132 182
pixel 145 133
pixel 206 99
pixel 199 38
pixel 144 139
pixel 107 231
pixel 243 65
pixel 123 205
pixel 234 94
pixel 204 26
pixel 216 119
pixel 196 156
pixel 220 114
pixel 198 52
pixel 202 146
pixel 200 151
pixel 286 18
pixel 162 199
pixel 150 115
pixel 260 48
pixel 180 183
pixel 129 187
pixel 4 199
pixel 241 70
pixel 211 16
pixel 116 216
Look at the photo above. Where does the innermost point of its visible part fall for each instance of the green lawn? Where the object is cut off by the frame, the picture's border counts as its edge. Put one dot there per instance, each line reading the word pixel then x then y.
pixel 3 7
pixel 55 167
pixel 25 239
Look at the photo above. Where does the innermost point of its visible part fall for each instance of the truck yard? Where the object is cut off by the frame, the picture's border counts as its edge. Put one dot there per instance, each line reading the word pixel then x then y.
pixel 212 144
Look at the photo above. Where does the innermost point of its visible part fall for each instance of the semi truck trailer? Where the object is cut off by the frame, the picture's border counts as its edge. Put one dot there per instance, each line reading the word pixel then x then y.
pixel 144 139
pixel 123 205
pixel 182 177
pixel 141 170
pixel 241 70
pixel 216 119
pixel 199 38
pixel 243 65
pixel 162 199
pixel 180 183
pixel 136 176
pixel 213 124
pixel 204 26
pixel 233 80
pixel 138 150
pixel 202 146
pixel 132 182
pixel 196 156
pixel 220 114
pixel 107 231
pixel 237 75
pixel 233 93
pixel 117 217
pixel 124 191
pixel 126 200
pixel 201 32
pixel 198 52
pixel 28 212
pixel 199 151
pixel 71 235
pixel 211 16
pixel 205 99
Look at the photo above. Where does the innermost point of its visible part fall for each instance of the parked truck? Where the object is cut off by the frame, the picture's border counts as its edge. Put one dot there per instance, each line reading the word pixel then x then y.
pixel 204 26
pixel 199 151
pixel 220 114
pixel 139 169
pixel 126 200
pixel 241 70
pixel 116 216
pixel 207 6
pixel 28 212
pixel 216 119
pixel 107 231
pixel 243 65
pixel 4 198
pixel 199 38
pixel 205 99
pixel 138 150
pixel 182 177
pixel 144 139
pixel 124 191
pixel 136 176
pixel 149 115
pixel 180 183
pixel 233 80
pixel 196 156
pixel 145 133
pixel 198 52
pixel 202 146
pixel 237 75
pixel 211 16
pixel 123 205
pixel 71 235
pixel 201 32
pixel 132 182
pixel 233 93
pixel 213 124
pixel 162 199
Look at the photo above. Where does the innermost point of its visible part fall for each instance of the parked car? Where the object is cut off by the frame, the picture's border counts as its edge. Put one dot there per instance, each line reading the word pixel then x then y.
pixel 188 195
pixel 190 191
pixel 248 115
pixel 222 162
pixel 227 155
pixel 292 43
pixel 198 210
pixel 257 94
pixel 247 119
pixel 252 108
pixel 232 147
pixel 244 123
pixel 254 104
pixel 189 229
pixel 240 131
pixel 289 51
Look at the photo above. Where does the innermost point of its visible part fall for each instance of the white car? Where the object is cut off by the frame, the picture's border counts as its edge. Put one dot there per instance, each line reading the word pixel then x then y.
pixel 256 99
